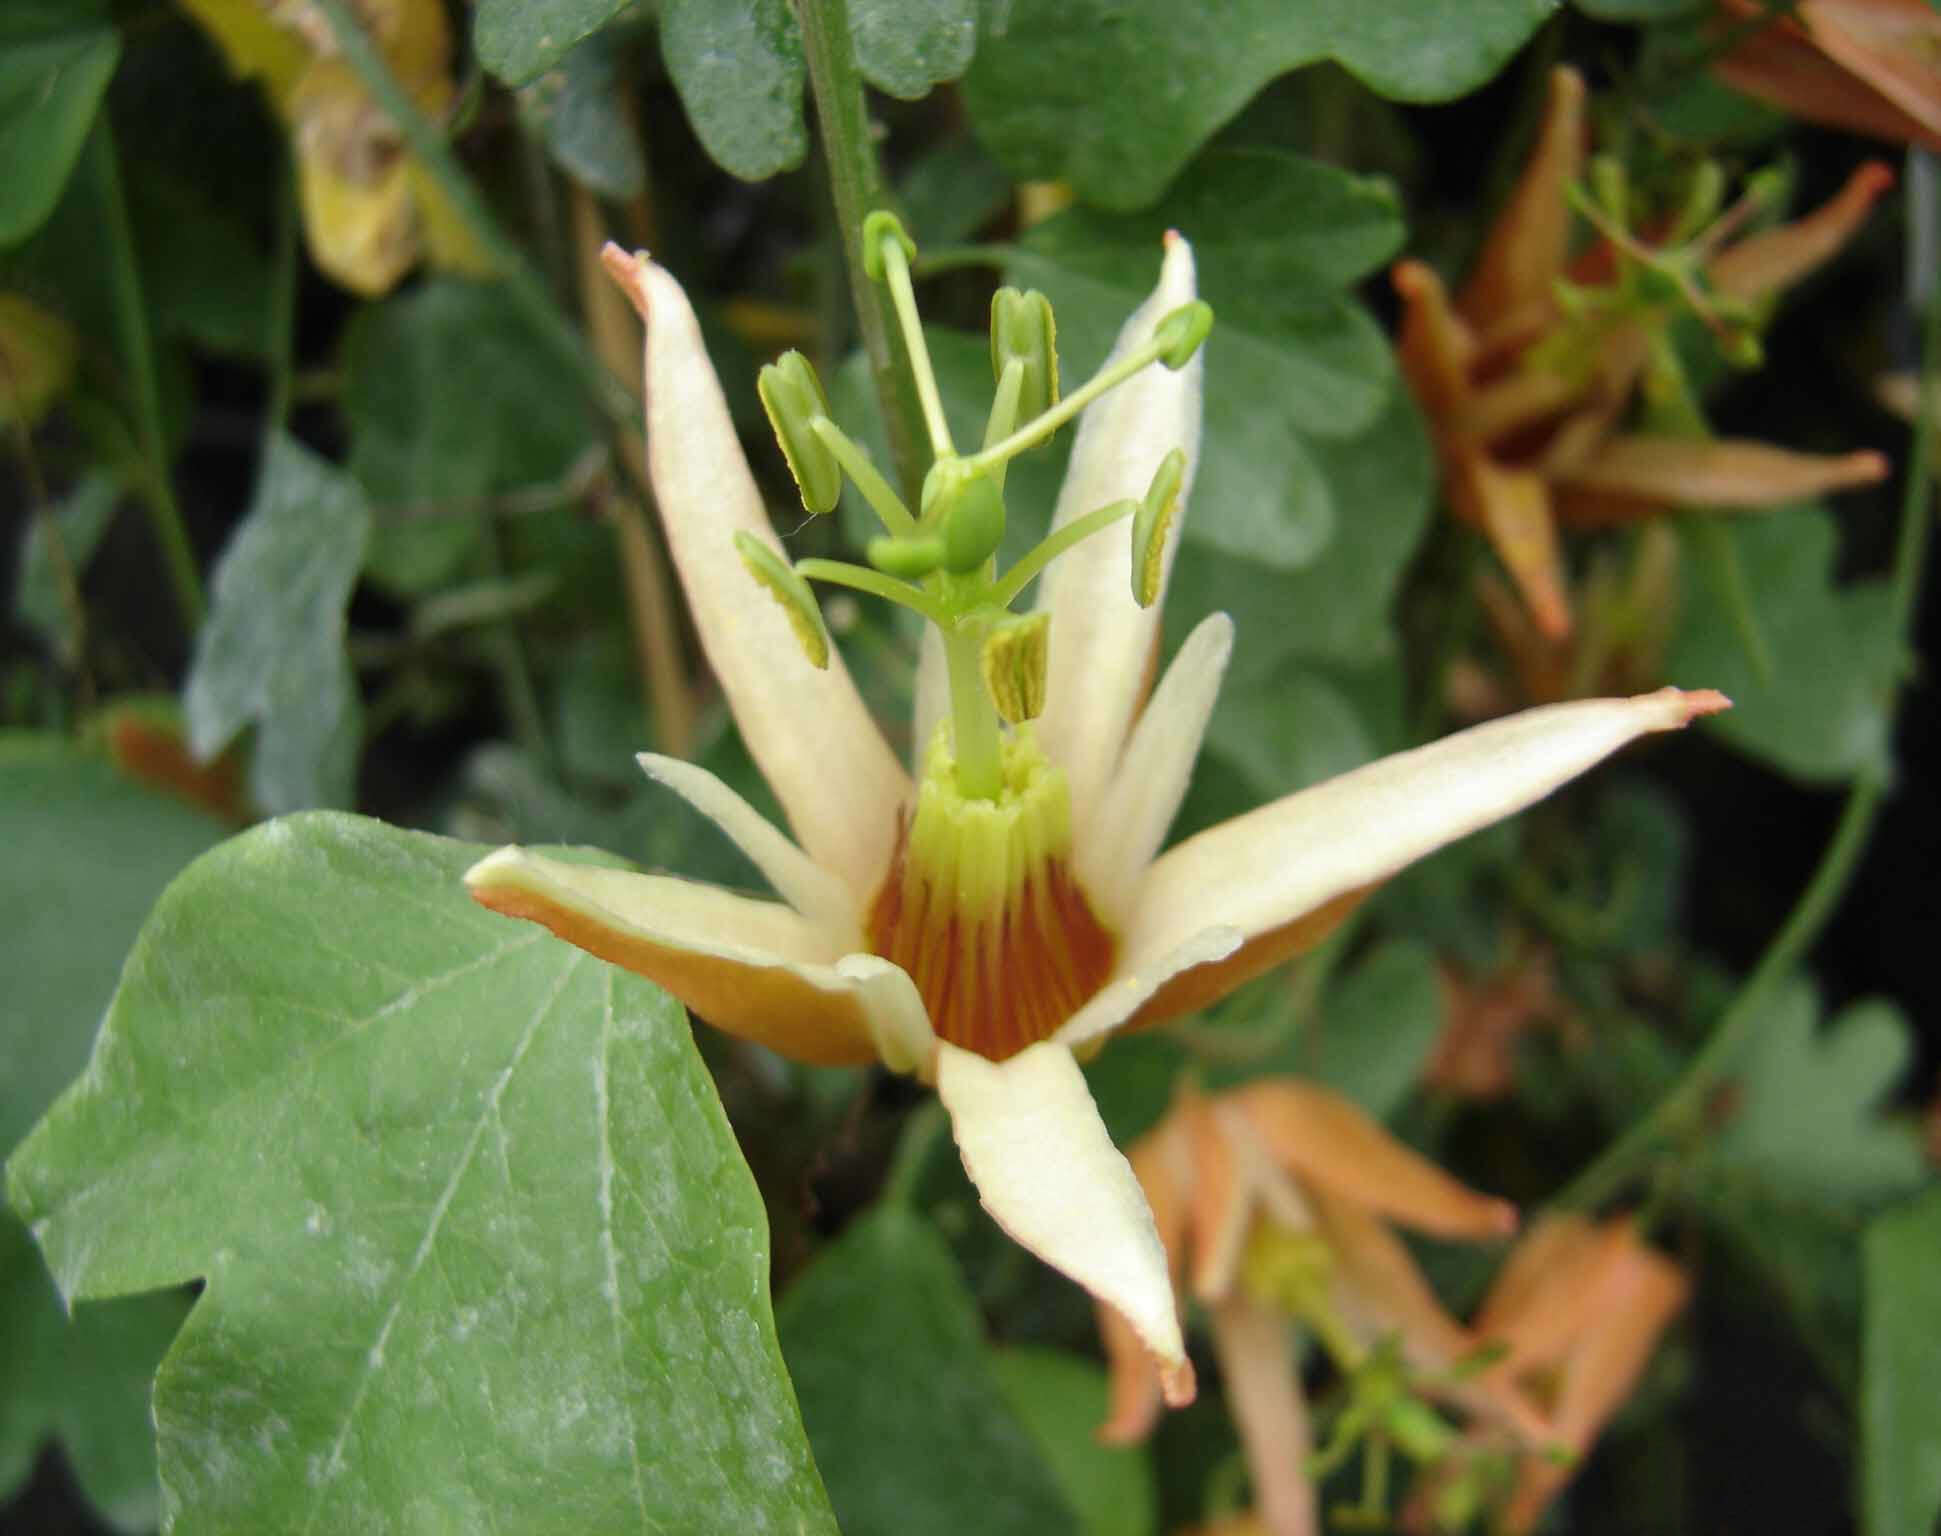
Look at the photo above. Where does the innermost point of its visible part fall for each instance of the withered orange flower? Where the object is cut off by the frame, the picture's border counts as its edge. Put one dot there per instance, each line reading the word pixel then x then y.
pixel 1526 402
pixel 1283 1181
pixel 1872 66
pixel 1578 1309
pixel 1484 1016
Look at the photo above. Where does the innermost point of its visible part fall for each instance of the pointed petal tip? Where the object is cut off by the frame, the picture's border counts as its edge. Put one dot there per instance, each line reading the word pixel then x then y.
pixel 628 269
pixel 1177 1383
pixel 1413 279
pixel 1684 705
pixel 494 872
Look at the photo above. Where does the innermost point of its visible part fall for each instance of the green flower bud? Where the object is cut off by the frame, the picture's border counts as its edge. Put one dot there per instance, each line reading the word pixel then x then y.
pixel 792 395
pixel 909 559
pixel 791 591
pixel 877 227
pixel 1022 328
pixel 1181 333
pixel 1016 660
pixel 1151 524
pixel 967 507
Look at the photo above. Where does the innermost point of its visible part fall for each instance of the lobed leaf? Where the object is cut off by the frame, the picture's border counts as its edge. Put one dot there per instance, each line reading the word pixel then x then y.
pixel 478 1246
pixel 1115 96
pixel 272 653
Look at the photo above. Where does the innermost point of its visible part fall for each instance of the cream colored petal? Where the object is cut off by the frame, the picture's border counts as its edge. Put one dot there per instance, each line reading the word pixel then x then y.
pixel 1639 474
pixel 1263 1390
pixel 1044 1167
pixel 821 897
pixel 1266 870
pixel 1131 989
pixel 1162 1161
pixel 753 968
pixel 1115 837
pixel 1102 642
pixel 1329 1143
pixel 808 731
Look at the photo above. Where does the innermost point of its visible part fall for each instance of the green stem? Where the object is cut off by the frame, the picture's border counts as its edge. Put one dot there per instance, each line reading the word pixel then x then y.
pixel 980 762
pixel 1055 544
pixel 860 578
pixel 527 290
pixel 856 184
pixel 138 354
pixel 1684 1105
pixel 882 497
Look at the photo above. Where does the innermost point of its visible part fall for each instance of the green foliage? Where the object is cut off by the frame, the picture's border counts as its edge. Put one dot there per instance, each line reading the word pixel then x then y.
pixel 1822 714
pixel 910 1427
pixel 451 399
pixel 577 110
pixel 1058 1398
pixel 519 39
pixel 272 653
pixel 79 521
pixel 55 62
pixel 905 47
pixel 408 1143
pixel 87 854
pixel 1900 1409
pixel 1806 1114
pixel 738 67
pixel 1293 358
pixel 1372 1034
pixel 1116 97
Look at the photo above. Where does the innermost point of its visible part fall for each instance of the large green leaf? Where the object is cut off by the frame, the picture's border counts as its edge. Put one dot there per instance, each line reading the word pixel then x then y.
pixel 1115 96
pixel 577 111
pixel 272 653
pixel 1372 1034
pixel 87 854
pixel 479 1249
pixel 1823 712
pixel 1806 1117
pixel 519 39
pixel 450 399
pixel 1900 1410
pixel 1293 359
pixel 905 47
pixel 738 67
pixel 910 1429
pixel 1060 1399
pixel 1339 607
pixel 55 63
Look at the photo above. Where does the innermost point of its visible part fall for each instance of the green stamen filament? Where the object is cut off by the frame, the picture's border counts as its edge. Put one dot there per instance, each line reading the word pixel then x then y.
pixel 861 578
pixel 1042 427
pixel 896 273
pixel 888 506
pixel 1054 544
pixel 1004 412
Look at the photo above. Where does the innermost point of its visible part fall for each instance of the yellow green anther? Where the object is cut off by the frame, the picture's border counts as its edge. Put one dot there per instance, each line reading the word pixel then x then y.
pixel 910 559
pixel 880 226
pixel 1015 661
pixel 792 395
pixel 1179 335
pixel 964 504
pixel 791 591
pixel 1150 526
pixel 1022 328
pixel 1424 1436
pixel 1703 201
pixel 1612 188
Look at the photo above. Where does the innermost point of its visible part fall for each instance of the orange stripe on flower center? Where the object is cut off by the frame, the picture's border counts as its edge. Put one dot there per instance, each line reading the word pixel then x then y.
pixel 980 907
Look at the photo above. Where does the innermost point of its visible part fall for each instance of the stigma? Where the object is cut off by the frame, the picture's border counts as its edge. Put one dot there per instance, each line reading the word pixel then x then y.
pixel 980 907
